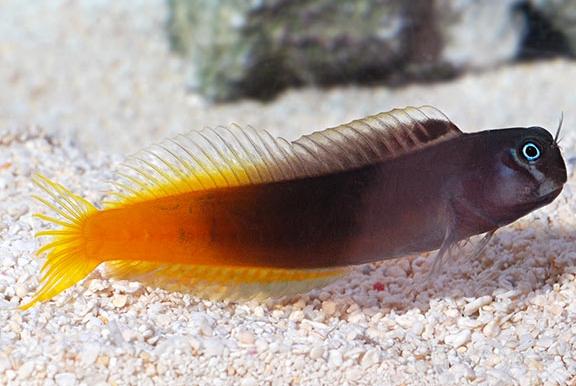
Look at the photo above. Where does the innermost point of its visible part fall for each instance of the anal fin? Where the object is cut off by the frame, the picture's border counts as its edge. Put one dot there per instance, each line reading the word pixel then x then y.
pixel 224 282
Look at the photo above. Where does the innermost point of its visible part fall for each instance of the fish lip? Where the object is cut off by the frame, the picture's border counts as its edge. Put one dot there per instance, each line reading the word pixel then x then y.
pixel 539 201
pixel 549 197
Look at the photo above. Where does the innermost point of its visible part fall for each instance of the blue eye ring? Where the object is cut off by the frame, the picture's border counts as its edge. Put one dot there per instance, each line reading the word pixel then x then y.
pixel 531 151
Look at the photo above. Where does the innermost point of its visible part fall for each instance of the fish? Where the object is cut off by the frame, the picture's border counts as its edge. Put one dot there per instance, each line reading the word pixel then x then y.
pixel 234 213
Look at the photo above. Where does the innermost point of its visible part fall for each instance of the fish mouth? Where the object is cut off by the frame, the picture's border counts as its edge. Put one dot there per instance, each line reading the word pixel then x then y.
pixel 548 197
pixel 538 201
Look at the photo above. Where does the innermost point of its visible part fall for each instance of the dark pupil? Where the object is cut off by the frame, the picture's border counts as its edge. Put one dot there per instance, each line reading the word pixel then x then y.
pixel 531 151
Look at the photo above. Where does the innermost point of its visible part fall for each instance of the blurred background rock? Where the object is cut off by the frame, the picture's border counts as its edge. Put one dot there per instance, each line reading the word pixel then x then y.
pixel 114 76
pixel 250 48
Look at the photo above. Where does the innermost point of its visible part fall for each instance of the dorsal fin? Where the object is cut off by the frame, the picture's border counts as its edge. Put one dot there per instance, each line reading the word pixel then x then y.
pixel 374 138
pixel 233 156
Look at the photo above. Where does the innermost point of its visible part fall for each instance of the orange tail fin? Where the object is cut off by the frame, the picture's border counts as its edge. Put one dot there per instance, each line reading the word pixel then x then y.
pixel 66 263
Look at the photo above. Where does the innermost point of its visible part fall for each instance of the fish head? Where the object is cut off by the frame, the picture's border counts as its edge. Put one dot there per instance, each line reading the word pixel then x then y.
pixel 518 170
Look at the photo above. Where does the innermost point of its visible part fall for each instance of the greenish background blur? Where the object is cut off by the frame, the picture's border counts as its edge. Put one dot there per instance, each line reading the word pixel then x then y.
pixel 258 48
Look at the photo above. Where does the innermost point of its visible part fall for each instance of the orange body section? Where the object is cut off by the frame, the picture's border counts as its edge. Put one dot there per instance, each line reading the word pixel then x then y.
pixel 294 224
pixel 171 230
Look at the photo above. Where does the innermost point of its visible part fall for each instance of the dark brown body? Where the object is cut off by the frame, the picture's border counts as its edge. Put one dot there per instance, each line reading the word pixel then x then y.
pixel 341 219
pixel 376 212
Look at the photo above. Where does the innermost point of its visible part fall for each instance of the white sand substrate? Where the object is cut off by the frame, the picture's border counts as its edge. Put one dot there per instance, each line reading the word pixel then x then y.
pixel 83 83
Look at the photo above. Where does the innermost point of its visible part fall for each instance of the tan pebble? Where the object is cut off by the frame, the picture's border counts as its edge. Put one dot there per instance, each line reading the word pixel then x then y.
pixel 370 358
pixel 15 327
pixel 299 363
pixel 213 347
pixel 277 314
pixel 491 329
pixel 300 349
pixel 89 353
pixel 335 359
pixel 374 333
pixel 246 338
pixel 555 309
pixel 300 304
pixel 539 300
pixel 353 308
pixel 9 292
pixel 103 360
pixel 259 312
pixel 21 290
pixel 296 316
pixel 511 294
pixel 119 301
pixel 468 323
pixel 194 343
pixel 417 328
pixel 162 367
pixel 96 285
pixel 462 370
pixel 352 335
pixel 405 321
pixel 376 317
pixel 458 339
pixel 241 370
pixel 473 307
pixel 26 369
pixel 153 340
pixel 206 329
pixel 316 352
pixel 452 313
pixel 65 379
pixel 421 353
pixel 129 335
pixel 163 319
pixel 133 287
pixel 150 369
pixel 354 373
pixel 329 307
pixel 147 333
pixel 535 364
pixel 261 345
pixel 357 317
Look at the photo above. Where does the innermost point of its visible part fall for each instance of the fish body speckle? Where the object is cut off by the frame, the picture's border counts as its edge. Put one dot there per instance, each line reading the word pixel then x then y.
pixel 234 213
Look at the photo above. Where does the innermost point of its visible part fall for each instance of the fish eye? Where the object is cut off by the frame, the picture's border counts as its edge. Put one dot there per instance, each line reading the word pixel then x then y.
pixel 531 151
